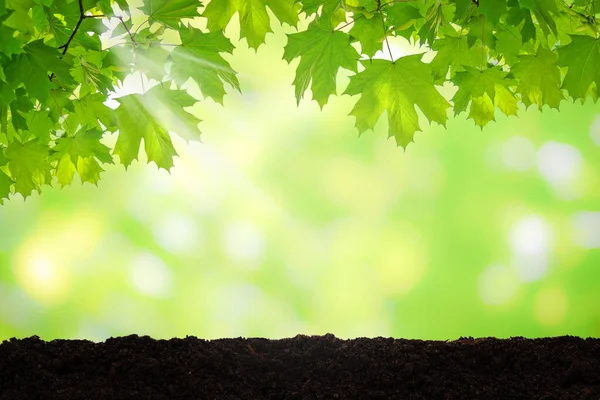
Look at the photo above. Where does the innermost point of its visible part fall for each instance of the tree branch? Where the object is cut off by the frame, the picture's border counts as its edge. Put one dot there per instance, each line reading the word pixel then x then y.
pixel 82 16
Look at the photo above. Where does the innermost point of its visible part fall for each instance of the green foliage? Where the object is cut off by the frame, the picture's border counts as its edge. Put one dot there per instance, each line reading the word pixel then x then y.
pixel 57 72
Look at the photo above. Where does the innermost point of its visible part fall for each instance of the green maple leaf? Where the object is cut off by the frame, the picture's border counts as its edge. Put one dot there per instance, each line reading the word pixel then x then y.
pixel 33 66
pixel 80 153
pixel 401 15
pixel 369 33
pixel 396 87
pixel 436 16
pixel 582 57
pixel 199 57
pixel 118 61
pixel 20 106
pixel 170 12
pixel 254 18
pixel 9 44
pixel 463 7
pixel 40 126
pixel 329 6
pixel 5 181
pixel 492 10
pixel 5 184
pixel 509 44
pixel 87 70
pixel 322 53
pixel 28 165
pixel 542 10
pixel 538 79
pixel 484 90
pixel 151 60
pixel 90 109
pixel 517 15
pixel 485 36
pixel 454 53
pixel 150 117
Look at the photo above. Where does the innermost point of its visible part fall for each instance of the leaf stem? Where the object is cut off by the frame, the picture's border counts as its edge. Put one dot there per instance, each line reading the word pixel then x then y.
pixel 127 29
pixel 349 23
pixel 387 42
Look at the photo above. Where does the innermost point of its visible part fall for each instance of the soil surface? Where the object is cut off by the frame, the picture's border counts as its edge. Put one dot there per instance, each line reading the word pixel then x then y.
pixel 303 367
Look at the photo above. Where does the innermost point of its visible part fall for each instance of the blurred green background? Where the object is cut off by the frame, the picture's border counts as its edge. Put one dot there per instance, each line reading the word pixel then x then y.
pixel 283 222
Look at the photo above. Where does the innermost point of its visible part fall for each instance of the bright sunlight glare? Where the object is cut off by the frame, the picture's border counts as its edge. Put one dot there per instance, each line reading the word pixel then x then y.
pixel 531 242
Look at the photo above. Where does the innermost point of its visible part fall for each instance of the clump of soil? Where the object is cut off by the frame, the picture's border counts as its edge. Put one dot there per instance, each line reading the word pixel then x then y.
pixel 302 367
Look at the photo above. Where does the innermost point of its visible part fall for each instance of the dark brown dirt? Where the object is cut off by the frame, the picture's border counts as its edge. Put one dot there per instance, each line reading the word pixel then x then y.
pixel 303 367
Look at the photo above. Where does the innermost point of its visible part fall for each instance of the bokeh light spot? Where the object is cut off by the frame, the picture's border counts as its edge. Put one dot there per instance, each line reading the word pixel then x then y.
pixel 586 229
pixel 178 233
pixel 518 153
pixel 595 131
pixel 550 306
pixel 150 276
pixel 244 243
pixel 530 240
pixel 560 165
pixel 43 279
pixel 402 264
pixel 497 284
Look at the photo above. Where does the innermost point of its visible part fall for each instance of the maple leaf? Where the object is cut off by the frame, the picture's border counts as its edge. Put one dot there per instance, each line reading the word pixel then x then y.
pixel 9 44
pixel 538 79
pixel 517 15
pixel 151 60
pixel 170 12
pixel 254 19
pixel 32 68
pixel 542 10
pixel 80 153
pixel 90 110
pixel 369 33
pixel 87 71
pixel 5 184
pixel 454 53
pixel 582 57
pixel 5 181
pixel 509 44
pixel 199 58
pixel 19 108
pixel 401 15
pixel 396 87
pixel 150 116
pixel 483 89
pixel 436 16
pixel 40 126
pixel 28 165
pixel 329 6
pixel 463 7
pixel 322 53
pixel 492 10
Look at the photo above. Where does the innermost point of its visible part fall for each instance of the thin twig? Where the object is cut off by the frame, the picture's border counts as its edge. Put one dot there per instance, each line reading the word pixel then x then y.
pixel 127 29
pixel 82 16
pixel 349 23
pixel 140 25
pixel 387 42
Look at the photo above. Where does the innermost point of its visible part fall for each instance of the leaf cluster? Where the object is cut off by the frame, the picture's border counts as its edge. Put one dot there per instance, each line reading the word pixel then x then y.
pixel 61 61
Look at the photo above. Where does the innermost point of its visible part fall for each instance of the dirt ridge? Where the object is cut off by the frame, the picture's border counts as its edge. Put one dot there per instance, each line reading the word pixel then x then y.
pixel 302 367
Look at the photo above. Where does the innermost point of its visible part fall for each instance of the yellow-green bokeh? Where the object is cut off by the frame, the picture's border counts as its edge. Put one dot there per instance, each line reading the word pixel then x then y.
pixel 284 221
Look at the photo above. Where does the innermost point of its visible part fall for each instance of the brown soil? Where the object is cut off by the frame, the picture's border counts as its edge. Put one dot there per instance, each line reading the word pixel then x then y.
pixel 303 367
